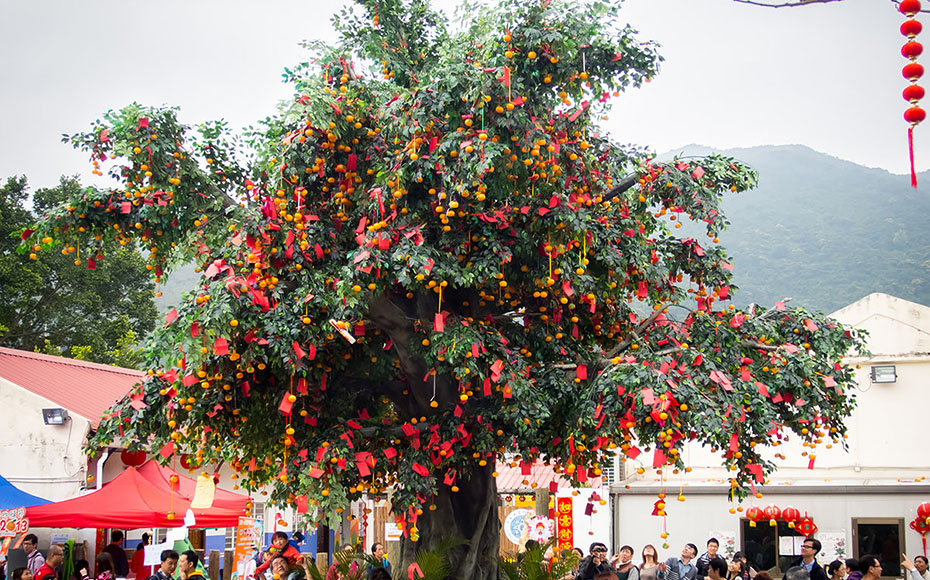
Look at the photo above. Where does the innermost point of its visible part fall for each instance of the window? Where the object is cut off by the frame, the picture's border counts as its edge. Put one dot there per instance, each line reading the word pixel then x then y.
pixel 771 548
pixel 883 538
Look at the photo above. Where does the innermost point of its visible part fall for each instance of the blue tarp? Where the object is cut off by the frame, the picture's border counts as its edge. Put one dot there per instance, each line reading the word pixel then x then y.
pixel 13 497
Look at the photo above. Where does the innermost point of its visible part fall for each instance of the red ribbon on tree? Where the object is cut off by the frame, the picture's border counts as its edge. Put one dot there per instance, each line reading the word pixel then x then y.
pixel 912 71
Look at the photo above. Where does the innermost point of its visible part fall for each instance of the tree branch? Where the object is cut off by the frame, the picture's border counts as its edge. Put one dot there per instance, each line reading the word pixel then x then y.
pixel 628 339
pixel 624 185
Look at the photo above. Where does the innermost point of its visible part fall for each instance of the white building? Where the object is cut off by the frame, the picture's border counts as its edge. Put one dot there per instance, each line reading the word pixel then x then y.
pixel 861 500
pixel 48 407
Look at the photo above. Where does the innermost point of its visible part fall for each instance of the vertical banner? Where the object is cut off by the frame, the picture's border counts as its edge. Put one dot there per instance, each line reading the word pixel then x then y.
pixel 246 542
pixel 565 523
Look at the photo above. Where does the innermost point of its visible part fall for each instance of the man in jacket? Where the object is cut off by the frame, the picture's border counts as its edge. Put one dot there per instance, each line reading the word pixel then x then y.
pixel 680 568
pixel 377 551
pixel 169 561
pixel 809 550
pixel 115 550
pixel 596 563
pixel 703 563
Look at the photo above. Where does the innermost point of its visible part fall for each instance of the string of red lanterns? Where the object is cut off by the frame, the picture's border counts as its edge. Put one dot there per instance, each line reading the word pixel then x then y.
pixel 912 71
pixel 805 525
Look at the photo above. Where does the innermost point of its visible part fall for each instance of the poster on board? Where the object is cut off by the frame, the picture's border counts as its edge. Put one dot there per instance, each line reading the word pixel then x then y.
pixel 248 533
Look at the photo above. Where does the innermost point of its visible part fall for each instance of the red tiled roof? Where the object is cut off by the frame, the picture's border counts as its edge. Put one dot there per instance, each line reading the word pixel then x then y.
pixel 84 388
pixel 512 478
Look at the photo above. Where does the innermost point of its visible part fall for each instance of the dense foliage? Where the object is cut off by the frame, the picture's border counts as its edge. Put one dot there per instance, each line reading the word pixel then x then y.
pixel 440 261
pixel 53 302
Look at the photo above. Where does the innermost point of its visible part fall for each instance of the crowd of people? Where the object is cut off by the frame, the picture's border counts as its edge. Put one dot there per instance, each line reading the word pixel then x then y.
pixel 282 560
pixel 598 565
pixel 111 563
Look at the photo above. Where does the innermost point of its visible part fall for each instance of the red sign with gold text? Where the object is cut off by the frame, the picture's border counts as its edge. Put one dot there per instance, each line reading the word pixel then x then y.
pixel 564 523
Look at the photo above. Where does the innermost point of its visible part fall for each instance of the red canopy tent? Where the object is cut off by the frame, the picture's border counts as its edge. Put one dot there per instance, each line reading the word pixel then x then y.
pixel 133 501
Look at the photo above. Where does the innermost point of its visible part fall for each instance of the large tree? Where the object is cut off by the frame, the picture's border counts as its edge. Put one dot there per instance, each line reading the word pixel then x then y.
pixel 51 301
pixel 429 265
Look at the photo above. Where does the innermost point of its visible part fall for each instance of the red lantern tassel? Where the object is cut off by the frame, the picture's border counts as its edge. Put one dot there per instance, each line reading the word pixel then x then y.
pixel 923 538
pixel 910 150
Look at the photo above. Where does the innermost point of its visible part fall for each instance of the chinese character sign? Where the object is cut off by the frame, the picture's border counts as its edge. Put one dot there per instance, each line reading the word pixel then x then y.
pixel 565 528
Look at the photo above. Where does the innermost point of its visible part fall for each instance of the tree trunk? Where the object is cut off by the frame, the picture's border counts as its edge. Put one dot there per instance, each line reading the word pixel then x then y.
pixel 469 514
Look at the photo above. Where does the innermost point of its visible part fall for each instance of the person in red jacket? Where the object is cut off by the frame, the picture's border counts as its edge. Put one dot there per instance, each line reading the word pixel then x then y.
pixel 53 560
pixel 280 546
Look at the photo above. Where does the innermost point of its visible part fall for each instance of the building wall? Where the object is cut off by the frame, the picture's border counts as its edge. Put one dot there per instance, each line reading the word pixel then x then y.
pixel 44 460
pixel 701 516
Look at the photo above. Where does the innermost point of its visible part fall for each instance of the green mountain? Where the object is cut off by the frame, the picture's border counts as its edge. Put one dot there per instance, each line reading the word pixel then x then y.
pixel 823 231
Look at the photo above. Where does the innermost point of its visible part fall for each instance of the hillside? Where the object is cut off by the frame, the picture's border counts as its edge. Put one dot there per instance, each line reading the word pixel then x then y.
pixel 818 229
pixel 824 231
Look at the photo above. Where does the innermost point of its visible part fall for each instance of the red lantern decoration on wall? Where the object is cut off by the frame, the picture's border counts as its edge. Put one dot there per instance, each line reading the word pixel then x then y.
pixel 754 514
pixel 132 458
pixel 772 513
pixel 791 515
pixel 922 527
pixel 912 71
pixel 923 510
pixel 806 526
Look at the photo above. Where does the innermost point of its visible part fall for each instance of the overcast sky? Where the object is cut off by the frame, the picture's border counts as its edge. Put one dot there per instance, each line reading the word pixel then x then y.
pixel 826 76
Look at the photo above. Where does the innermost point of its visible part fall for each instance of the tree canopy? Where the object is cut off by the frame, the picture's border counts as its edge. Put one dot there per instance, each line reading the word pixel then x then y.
pixel 432 259
pixel 53 302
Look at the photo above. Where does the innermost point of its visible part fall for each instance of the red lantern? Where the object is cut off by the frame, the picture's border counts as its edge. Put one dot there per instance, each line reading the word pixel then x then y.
pixel 921 526
pixel 912 49
pixel 791 515
pixel 923 510
pixel 772 513
pixel 189 463
pixel 915 115
pixel 909 7
pixel 913 93
pixel 912 71
pixel 132 458
pixel 754 514
pixel 911 28
pixel 807 526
